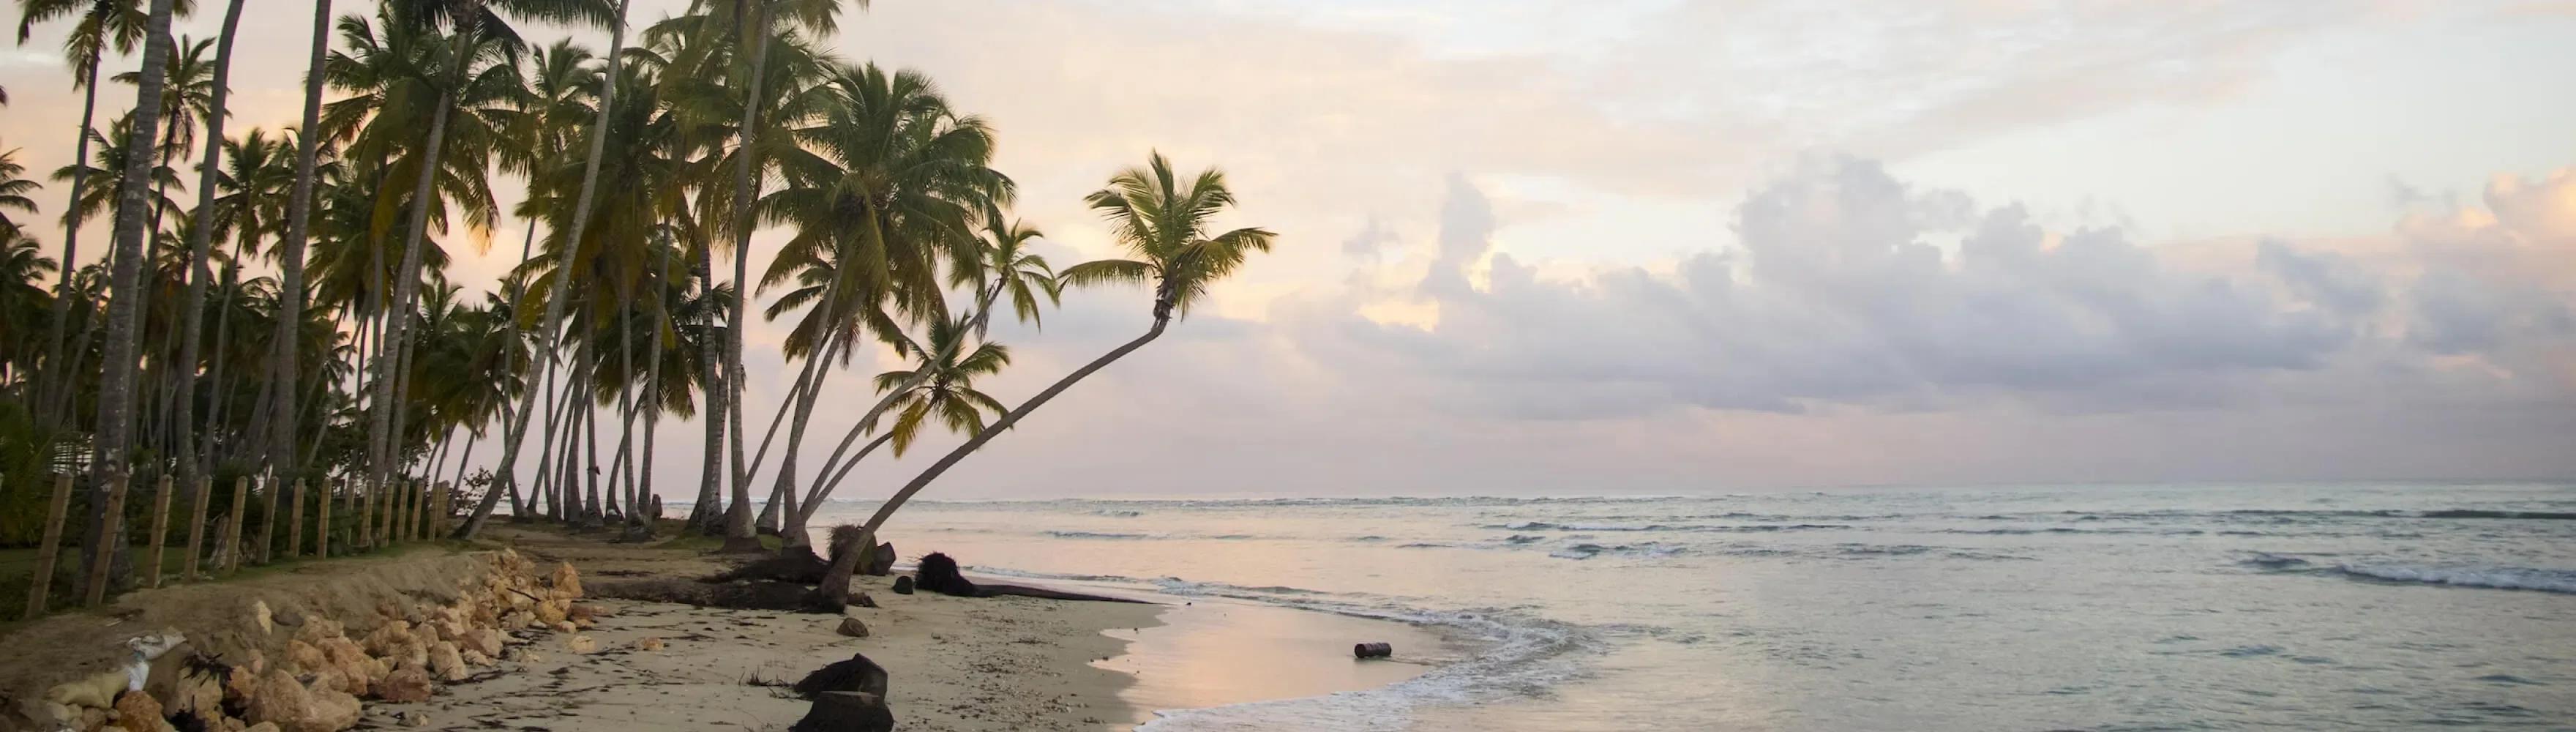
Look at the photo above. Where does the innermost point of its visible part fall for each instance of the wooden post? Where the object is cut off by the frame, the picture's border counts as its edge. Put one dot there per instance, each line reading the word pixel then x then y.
pixel 364 500
pixel 295 522
pixel 160 530
pixel 109 537
pixel 241 499
pixel 196 530
pixel 393 510
pixel 43 579
pixel 403 509
pixel 420 510
pixel 322 526
pixel 268 524
pixel 439 526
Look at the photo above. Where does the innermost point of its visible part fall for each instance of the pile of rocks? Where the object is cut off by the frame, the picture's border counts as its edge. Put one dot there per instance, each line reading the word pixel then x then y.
pixel 316 682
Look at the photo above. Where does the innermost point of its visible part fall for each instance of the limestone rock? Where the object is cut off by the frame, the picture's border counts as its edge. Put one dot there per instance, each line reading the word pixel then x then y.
pixel 483 640
pixel 277 698
pixel 648 643
pixel 195 693
pixel 240 684
pixel 139 712
pixel 317 629
pixel 554 611
pixel 406 685
pixel 475 658
pixel 331 711
pixel 304 657
pixel 853 628
pixel 564 627
pixel 863 600
pixel 263 727
pixel 446 662
pixel 581 644
pixel 96 690
pixel 519 619
pixel 565 583
pixel 259 614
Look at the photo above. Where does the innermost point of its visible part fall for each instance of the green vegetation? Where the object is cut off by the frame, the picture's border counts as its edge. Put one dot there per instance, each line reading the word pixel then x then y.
pixel 290 316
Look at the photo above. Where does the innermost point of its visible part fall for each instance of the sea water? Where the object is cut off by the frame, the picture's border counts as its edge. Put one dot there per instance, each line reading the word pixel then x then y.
pixel 2388 607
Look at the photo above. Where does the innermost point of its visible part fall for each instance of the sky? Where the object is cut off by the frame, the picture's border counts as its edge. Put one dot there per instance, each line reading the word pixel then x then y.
pixel 1686 247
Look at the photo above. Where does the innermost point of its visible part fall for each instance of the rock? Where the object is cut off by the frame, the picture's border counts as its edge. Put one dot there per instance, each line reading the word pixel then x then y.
pixel 317 629
pixel 589 611
pixel 240 684
pixel 526 656
pixel 856 674
pixel 484 640
pixel 846 711
pixel 565 583
pixel 853 628
pixel 287 616
pixel 519 619
pixel 200 694
pixel 879 563
pixel 475 658
pixel 406 685
pixel 139 712
pixel 263 727
pixel 554 611
pixel 303 657
pixel 394 639
pixel 92 718
pixel 863 600
pixel 97 690
pixel 446 662
pixel 581 644
pixel 259 614
pixel 279 699
pixel 648 643
pixel 903 585
pixel 331 711
pixel 414 719
pixel 565 627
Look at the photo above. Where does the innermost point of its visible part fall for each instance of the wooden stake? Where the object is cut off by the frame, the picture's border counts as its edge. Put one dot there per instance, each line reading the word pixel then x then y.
pixel 268 524
pixel 108 538
pixel 295 522
pixel 322 527
pixel 233 549
pixel 196 530
pixel 47 552
pixel 439 526
pixel 160 530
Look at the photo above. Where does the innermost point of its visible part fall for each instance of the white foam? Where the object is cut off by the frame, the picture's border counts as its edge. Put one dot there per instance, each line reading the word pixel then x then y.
pixel 2502 578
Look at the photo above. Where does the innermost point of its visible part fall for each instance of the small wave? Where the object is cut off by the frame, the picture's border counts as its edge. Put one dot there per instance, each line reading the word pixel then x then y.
pixel 2494 578
pixel 1523 539
pixel 1371 537
pixel 1118 513
pixel 1094 535
pixel 1588 551
pixel 1714 528
pixel 2478 514
pixel 2498 578
pixel 1425 545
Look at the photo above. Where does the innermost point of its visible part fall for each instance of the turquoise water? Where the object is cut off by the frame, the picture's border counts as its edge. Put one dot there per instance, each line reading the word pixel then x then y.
pixel 2087 608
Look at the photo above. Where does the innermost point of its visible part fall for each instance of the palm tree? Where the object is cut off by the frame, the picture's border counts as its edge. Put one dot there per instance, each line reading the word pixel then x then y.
pixel 941 384
pixel 104 26
pixel 285 359
pixel 208 166
pixel 1164 227
pixel 884 193
pixel 1006 266
pixel 124 304
pixel 187 95
pixel 13 193
pixel 23 303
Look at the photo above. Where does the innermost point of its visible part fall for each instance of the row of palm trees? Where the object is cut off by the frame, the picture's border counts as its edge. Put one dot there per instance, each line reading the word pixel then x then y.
pixel 293 316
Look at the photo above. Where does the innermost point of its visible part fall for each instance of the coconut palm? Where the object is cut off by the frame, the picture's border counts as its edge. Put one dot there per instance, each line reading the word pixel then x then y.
pixel 104 26
pixel 1164 227
pixel 23 303
pixel 941 384
pixel 13 193
pixel 885 191
pixel 209 166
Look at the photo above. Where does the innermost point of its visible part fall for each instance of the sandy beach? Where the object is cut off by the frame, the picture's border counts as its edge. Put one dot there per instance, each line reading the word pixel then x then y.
pixel 961 664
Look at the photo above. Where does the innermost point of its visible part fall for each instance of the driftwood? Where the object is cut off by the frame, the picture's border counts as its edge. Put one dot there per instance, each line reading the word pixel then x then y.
pixel 849 548
pixel 794 564
pixel 753 595
pixel 938 573
pixel 848 696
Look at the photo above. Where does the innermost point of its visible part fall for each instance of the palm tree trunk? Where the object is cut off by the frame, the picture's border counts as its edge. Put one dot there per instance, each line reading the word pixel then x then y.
pixel 215 373
pixel 59 379
pixel 642 515
pixel 782 492
pixel 622 473
pixel 546 448
pixel 707 517
pixel 116 383
pixel 381 429
pixel 199 247
pixel 831 475
pixel 1161 320
pixel 290 254
pixel 740 535
pixel 554 304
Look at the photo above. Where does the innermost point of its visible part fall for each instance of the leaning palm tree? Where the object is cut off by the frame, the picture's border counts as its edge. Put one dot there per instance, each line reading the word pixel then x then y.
pixel 886 194
pixel 940 385
pixel 1164 227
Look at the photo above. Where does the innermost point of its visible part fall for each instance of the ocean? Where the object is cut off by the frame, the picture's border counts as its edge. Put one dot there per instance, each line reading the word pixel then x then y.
pixel 2383 607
